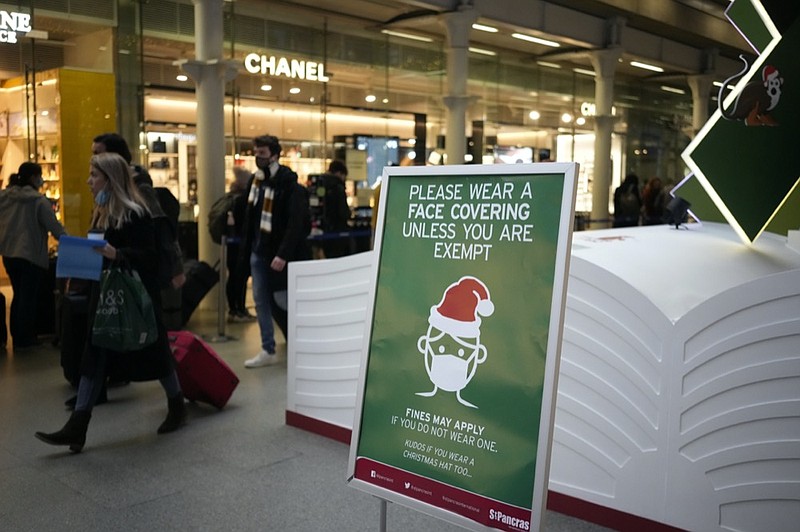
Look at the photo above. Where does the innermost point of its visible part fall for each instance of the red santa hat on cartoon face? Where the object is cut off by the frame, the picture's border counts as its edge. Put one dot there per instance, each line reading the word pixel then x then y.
pixel 460 310
pixel 769 73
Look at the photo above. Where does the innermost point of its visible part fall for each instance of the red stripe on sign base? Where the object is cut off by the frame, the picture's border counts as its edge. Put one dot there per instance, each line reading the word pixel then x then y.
pixel 323 428
pixel 557 502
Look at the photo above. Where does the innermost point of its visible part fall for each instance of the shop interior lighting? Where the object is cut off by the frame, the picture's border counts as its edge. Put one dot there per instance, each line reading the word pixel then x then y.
pixel 407 36
pixel 483 27
pixel 674 90
pixel 535 115
pixel 182 77
pixel 719 84
pixel 584 71
pixel 370 98
pixel 412 142
pixel 349 120
pixel 294 90
pixel 22 87
pixel 481 51
pixel 580 121
pixel 412 155
pixel 385 100
pixel 646 66
pixel 537 40
pixel 266 87
pixel 566 118
pixel 548 64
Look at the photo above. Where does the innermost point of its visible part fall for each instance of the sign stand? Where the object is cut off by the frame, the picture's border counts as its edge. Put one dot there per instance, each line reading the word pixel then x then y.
pixel 455 407
pixel 384 506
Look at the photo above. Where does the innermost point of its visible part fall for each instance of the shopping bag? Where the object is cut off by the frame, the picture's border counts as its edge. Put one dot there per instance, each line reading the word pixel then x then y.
pixel 125 319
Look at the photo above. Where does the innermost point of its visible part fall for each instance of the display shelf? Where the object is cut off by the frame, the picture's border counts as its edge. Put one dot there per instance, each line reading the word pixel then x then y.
pixel 171 163
pixel 71 106
pixel 44 151
pixel 187 172
pixel 163 170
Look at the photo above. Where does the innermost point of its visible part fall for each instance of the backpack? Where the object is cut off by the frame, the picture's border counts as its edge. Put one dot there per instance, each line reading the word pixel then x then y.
pixel 170 205
pixel 218 216
pixel 160 201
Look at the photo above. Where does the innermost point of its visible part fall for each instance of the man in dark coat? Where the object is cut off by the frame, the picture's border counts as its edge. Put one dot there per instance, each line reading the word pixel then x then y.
pixel 276 226
pixel 336 211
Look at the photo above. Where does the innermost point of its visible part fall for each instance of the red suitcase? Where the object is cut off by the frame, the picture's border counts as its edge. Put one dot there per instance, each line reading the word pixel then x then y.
pixel 204 376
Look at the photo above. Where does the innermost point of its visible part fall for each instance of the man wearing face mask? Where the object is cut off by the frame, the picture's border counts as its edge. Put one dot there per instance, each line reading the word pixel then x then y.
pixel 26 216
pixel 276 226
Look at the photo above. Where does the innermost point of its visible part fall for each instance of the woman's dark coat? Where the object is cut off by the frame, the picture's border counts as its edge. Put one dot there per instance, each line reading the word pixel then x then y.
pixel 136 247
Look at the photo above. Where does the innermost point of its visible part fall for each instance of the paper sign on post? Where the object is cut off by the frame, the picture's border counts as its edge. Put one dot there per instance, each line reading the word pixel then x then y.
pixel 456 397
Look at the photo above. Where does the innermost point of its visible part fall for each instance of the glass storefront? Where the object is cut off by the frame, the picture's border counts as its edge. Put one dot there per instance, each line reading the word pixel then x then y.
pixel 378 85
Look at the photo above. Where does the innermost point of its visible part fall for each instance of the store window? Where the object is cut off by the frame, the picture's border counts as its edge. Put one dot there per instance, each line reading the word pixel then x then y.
pixel 521 110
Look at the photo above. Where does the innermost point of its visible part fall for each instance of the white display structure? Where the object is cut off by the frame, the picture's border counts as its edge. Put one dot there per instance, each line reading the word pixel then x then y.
pixel 679 389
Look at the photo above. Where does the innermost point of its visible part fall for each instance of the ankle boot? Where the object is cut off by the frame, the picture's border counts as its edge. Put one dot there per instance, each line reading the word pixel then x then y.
pixel 176 415
pixel 73 433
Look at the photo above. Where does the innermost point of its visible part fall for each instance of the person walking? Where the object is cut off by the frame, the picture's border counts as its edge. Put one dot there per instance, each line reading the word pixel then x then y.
pixel 653 202
pixel 26 218
pixel 163 206
pixel 122 217
pixel 238 265
pixel 276 226
pixel 627 202
pixel 170 261
pixel 336 211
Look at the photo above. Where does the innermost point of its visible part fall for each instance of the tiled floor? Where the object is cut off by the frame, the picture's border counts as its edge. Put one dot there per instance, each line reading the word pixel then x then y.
pixel 241 468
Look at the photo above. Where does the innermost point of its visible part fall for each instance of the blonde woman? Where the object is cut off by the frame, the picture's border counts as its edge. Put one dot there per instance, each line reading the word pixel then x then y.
pixel 121 215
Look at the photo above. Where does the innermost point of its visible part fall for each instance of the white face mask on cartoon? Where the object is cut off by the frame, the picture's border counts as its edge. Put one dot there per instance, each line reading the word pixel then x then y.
pixel 448 371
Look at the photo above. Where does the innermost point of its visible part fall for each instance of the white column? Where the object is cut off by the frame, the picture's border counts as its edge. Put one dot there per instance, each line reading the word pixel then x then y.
pixel 458 24
pixel 605 64
pixel 209 72
pixel 701 87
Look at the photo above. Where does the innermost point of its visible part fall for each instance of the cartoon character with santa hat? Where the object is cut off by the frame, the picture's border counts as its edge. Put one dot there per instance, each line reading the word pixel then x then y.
pixel 756 100
pixel 452 347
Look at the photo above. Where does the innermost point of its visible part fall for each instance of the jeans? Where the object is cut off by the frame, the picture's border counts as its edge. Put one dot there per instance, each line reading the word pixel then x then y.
pixel 259 272
pixel 25 277
pixel 89 387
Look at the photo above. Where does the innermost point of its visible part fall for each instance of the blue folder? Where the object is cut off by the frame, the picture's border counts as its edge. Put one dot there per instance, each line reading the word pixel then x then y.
pixel 77 259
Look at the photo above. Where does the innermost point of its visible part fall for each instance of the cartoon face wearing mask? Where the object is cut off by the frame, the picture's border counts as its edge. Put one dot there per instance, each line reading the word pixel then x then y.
pixel 451 347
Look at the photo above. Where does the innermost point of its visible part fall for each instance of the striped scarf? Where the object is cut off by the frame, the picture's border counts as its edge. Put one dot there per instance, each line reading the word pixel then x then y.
pixel 266 208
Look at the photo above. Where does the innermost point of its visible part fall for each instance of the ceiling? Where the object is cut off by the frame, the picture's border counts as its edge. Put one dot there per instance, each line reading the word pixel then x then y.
pixel 695 24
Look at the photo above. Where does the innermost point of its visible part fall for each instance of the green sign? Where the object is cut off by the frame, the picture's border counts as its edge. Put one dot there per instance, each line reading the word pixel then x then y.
pixel 742 157
pixel 458 378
